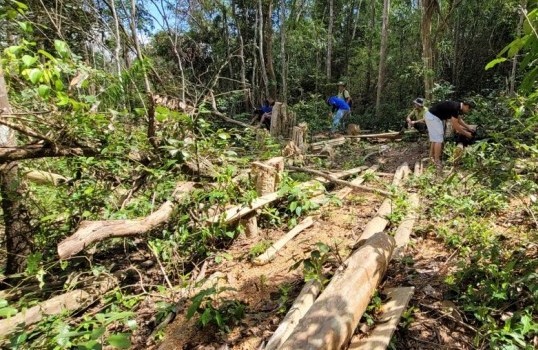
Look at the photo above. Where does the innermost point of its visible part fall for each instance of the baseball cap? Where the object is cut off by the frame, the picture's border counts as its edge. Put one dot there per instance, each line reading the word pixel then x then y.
pixel 419 101
pixel 341 83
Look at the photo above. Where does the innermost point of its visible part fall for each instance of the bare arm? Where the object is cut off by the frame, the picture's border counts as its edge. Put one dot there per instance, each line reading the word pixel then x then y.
pixel 460 127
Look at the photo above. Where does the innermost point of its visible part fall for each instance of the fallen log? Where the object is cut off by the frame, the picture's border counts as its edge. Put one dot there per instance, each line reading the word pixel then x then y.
pixel 302 303
pixel 406 226
pixel 224 117
pixel 391 311
pixel 331 142
pixel 331 178
pixel 374 136
pixel 90 232
pixel 44 177
pixel 65 302
pixel 332 319
pixel 238 211
pixel 273 249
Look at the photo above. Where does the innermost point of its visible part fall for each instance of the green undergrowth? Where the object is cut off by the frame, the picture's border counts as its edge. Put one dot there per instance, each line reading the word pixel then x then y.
pixel 482 210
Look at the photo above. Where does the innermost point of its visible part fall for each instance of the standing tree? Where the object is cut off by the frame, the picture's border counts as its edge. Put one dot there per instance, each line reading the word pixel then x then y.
pixel 382 56
pixel 429 7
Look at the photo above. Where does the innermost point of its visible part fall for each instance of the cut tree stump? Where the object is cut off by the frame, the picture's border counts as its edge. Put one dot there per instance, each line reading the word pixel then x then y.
pixel 302 303
pixel 282 121
pixel 391 311
pixel 332 319
pixel 270 253
pixel 267 177
pixel 90 232
pixel 69 301
pixel 299 136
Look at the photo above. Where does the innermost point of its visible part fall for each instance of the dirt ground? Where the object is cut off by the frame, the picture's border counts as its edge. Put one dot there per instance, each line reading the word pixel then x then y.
pixel 425 263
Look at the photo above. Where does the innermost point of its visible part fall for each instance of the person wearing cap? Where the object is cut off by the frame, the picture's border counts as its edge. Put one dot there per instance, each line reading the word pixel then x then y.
pixel 339 109
pixel 446 111
pixel 415 118
pixel 343 93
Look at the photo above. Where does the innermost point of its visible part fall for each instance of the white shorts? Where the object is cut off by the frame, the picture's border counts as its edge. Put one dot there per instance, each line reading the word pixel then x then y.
pixel 435 127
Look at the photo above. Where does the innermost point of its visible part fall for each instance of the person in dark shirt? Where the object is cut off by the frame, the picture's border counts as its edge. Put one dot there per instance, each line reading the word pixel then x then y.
pixel 339 109
pixel 446 111
pixel 263 114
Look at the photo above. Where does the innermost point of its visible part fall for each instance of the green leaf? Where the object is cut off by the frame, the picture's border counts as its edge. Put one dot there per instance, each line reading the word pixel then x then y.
pixel 20 5
pixel 43 90
pixel 35 75
pixel 58 85
pixel 28 60
pixel 293 205
pixel 98 333
pixel 120 340
pixel 61 48
pixel 494 62
pixel 47 55
pixel 7 312
pixel 206 317
pixel 25 26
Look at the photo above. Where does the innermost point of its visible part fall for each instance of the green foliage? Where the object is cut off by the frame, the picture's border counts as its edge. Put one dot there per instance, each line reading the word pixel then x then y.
pixel 298 200
pixel 258 249
pixel 528 43
pixel 495 282
pixel 215 310
pixel 313 267
pixel 90 332
pixel 372 310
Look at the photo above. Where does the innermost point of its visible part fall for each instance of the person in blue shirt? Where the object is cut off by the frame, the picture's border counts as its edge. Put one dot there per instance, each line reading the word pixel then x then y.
pixel 339 109
pixel 263 114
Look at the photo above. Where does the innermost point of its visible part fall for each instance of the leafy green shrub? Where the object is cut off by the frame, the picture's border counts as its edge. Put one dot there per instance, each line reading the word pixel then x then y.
pixel 215 310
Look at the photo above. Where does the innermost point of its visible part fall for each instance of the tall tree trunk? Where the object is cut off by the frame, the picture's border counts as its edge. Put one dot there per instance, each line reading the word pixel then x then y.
pixel 523 7
pixel 356 24
pixel 243 72
pixel 283 60
pixel 150 107
pixel 382 56
pixel 173 38
pixel 328 59
pixel 428 10
pixel 18 230
pixel 368 79
pixel 263 67
pixel 268 44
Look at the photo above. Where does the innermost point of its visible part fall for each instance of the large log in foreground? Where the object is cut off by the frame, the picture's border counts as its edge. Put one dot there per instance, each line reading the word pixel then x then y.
pixel 331 320
pixel 94 231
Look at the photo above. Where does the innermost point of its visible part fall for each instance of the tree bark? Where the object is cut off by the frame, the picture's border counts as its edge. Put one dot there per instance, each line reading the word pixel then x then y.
pixel 65 302
pixel 261 47
pixel 283 60
pixel 382 56
pixel 268 44
pixel 331 320
pixel 428 9
pixel 328 58
pixel 18 228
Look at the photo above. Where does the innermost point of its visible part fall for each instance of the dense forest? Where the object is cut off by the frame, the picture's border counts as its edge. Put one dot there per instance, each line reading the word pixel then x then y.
pixel 143 206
